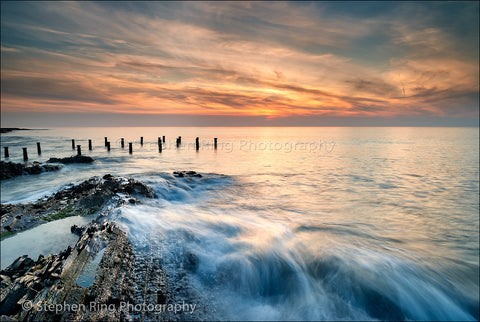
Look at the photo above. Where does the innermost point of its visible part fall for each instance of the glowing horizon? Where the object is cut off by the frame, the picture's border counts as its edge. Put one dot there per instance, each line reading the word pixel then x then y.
pixel 271 59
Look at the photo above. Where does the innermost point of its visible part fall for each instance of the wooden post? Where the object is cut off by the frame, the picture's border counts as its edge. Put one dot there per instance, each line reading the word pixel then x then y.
pixel 73 144
pixel 79 150
pixel 7 155
pixel 90 145
pixel 197 145
pixel 39 149
pixel 25 155
pixel 130 147
pixel 215 143
pixel 108 146
pixel 141 140
pixel 106 141
pixel 122 143
pixel 163 139
pixel 159 145
pixel 179 140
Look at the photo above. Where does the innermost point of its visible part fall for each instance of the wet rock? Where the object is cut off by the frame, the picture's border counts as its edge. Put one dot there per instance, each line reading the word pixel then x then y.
pixel 33 169
pixel 86 198
pixel 182 174
pixel 77 230
pixel 52 279
pixel 72 159
pixel 161 298
pixel 51 167
pixel 19 267
pixel 9 305
pixel 10 169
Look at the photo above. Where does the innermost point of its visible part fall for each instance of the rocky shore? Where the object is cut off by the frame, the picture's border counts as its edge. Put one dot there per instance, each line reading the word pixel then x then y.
pixel 101 277
pixel 72 159
pixel 29 286
pixel 87 198
pixel 10 169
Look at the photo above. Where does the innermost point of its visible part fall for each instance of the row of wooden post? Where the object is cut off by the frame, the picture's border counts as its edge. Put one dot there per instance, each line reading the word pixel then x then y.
pixel 107 145
pixel 25 154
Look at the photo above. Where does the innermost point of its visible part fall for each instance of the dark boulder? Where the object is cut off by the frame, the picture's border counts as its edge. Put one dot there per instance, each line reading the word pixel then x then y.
pixel 182 174
pixel 77 230
pixel 10 170
pixel 73 159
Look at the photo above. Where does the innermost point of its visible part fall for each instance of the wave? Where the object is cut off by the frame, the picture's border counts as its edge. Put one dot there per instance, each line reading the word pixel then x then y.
pixel 249 266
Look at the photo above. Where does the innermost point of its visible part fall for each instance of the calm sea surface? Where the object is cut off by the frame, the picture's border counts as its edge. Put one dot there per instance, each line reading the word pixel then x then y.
pixel 287 223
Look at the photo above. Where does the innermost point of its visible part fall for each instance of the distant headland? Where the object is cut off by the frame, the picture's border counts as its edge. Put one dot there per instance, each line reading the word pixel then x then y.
pixel 10 129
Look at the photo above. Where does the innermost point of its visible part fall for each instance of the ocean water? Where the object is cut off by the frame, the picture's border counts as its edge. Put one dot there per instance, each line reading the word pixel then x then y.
pixel 290 223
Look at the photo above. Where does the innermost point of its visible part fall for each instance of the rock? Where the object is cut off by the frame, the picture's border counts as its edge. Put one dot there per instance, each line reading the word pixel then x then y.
pixel 9 305
pixel 51 167
pixel 10 129
pixel 20 265
pixel 77 230
pixel 72 159
pixel 181 174
pixel 33 169
pixel 10 169
pixel 53 279
pixel 5 279
pixel 86 198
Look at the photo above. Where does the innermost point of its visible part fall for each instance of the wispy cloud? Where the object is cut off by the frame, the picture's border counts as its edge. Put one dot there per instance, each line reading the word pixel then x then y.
pixel 229 58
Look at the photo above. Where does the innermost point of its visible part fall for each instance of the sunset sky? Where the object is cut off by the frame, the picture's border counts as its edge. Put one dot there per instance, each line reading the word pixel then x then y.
pixel 239 63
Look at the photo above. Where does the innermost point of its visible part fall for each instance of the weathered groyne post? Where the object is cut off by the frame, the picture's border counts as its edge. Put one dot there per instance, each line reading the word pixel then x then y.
pixel 141 140
pixel 90 145
pixel 178 142
pixel 106 141
pixel 215 143
pixel 159 145
pixel 79 149
pixel 25 155
pixel 130 150
pixel 163 139
pixel 7 155
pixel 73 144
pixel 197 144
pixel 108 146
pixel 122 143
pixel 39 149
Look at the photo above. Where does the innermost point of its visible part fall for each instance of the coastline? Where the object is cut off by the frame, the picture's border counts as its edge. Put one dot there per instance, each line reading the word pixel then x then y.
pixel 103 253
pixel 11 129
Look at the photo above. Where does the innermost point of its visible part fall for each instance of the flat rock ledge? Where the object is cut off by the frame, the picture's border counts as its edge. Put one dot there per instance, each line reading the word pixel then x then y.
pixel 72 159
pixel 87 198
pixel 47 289
pixel 94 279
pixel 10 169
pixel 188 174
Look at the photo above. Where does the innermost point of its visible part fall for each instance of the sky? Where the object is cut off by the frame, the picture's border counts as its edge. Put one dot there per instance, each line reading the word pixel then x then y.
pixel 238 63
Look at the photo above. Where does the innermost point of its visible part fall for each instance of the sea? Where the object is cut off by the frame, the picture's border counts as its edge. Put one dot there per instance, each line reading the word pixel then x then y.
pixel 286 223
